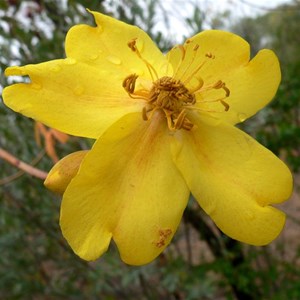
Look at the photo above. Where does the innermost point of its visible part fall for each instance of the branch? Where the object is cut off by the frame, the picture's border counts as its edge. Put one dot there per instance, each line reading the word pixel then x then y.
pixel 22 165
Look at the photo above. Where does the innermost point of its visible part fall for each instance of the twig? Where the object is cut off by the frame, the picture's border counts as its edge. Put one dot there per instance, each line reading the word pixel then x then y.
pixel 22 165
pixel 18 174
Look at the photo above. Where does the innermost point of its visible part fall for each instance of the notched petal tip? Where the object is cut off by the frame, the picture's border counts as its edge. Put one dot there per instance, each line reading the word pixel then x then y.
pixel 99 16
pixel 15 71
pixel 94 14
pixel 90 11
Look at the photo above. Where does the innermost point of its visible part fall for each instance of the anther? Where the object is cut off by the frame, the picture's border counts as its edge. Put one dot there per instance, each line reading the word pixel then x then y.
pixel 132 44
pixel 210 55
pixel 226 89
pixel 225 104
pixel 129 83
pixel 221 85
pixel 218 84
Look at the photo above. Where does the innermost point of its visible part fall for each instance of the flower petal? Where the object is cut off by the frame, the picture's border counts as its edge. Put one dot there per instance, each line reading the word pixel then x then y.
pixel 251 86
pixel 63 172
pixel 87 86
pixel 70 96
pixel 234 179
pixel 226 57
pixel 127 187
pixel 229 51
pixel 106 46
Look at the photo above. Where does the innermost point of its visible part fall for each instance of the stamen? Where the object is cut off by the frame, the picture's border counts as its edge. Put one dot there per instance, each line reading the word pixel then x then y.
pixel 129 83
pixel 180 119
pixel 183 52
pixel 221 85
pixel 169 95
pixel 181 48
pixel 132 45
pixel 226 89
pixel 205 110
pixel 152 111
pixel 208 55
pixel 225 104
pixel 198 86
pixel 169 119
pixel 179 122
pixel 129 86
pixel 195 49
pixel 218 85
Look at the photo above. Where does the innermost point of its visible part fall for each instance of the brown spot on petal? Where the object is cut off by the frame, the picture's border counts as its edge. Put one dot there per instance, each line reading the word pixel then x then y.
pixel 164 234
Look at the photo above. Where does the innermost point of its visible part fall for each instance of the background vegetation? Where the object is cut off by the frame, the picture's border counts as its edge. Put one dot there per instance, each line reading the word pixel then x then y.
pixel 201 263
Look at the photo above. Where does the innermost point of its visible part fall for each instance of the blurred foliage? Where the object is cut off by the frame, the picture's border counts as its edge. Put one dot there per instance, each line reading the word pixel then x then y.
pixel 201 263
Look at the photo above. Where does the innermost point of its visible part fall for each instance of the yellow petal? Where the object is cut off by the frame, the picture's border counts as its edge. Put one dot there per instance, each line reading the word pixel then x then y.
pixel 106 46
pixel 251 86
pixel 63 172
pixel 229 52
pixel 225 56
pixel 234 179
pixel 127 188
pixel 71 96
pixel 83 94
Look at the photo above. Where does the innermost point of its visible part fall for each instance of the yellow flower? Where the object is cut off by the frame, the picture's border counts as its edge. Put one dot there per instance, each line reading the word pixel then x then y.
pixel 164 127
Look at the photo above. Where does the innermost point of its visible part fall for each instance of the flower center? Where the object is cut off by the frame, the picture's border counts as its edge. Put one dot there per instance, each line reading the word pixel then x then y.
pixel 170 95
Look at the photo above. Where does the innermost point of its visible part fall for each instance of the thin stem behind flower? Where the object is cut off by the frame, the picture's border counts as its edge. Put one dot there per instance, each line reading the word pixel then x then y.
pixel 27 168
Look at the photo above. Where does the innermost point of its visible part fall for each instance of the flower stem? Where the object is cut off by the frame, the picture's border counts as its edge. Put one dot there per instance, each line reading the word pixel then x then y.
pixel 22 165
